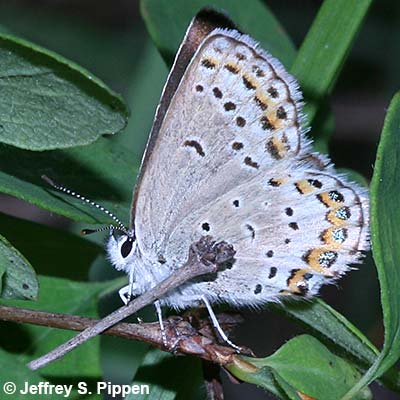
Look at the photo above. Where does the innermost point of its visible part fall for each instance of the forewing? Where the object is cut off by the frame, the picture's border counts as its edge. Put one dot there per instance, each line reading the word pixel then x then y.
pixel 233 116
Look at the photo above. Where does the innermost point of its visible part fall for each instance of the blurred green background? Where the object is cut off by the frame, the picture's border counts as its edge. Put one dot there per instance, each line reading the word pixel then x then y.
pixel 110 39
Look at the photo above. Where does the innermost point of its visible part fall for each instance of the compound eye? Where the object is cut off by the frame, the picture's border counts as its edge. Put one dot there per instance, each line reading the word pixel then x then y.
pixel 126 247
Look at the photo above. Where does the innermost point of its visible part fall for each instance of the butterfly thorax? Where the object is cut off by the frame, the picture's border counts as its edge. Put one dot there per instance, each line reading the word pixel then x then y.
pixel 146 272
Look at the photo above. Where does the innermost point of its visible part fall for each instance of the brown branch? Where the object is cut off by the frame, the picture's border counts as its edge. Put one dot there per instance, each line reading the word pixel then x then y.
pixel 183 336
pixel 205 257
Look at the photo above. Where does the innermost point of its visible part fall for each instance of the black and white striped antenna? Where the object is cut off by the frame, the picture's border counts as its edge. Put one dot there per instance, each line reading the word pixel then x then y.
pixel 61 188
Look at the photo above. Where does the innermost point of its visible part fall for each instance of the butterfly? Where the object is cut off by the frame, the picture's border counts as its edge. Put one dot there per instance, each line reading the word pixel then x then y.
pixel 228 157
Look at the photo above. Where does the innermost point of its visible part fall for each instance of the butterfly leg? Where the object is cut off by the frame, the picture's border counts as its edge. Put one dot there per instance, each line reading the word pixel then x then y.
pixel 131 285
pixel 161 322
pixel 126 292
pixel 216 324
pixel 123 292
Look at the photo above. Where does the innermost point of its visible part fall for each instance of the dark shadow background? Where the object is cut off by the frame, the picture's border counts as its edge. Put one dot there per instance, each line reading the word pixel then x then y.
pixel 109 39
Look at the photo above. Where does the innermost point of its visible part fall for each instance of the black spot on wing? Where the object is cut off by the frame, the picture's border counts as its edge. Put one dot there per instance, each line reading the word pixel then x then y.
pixel 208 63
pixel 273 182
pixel 273 150
pixel 272 272
pixel 258 71
pixel 241 122
pixel 229 106
pixel 273 92
pixel 205 226
pixel 266 124
pixel 217 93
pixel 281 113
pixel 232 68
pixel 196 145
pixel 252 231
pixel 248 161
pixel 260 103
pixel 258 289
pixel 289 211
pixel 237 145
pixel 315 182
pixel 248 85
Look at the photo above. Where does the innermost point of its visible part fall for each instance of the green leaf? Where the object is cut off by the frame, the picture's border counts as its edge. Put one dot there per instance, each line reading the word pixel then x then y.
pixel 144 95
pixel 385 237
pixel 163 373
pixel 323 125
pixel 19 279
pixel 167 21
pixel 288 389
pixel 61 296
pixel 51 251
pixel 121 358
pixel 49 102
pixel 13 370
pixel 3 260
pixel 325 48
pixel 104 171
pixel 244 369
pixel 308 367
pixel 322 318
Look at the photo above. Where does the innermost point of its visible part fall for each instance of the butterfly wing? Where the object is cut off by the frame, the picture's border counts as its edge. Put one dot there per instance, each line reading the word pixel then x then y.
pixel 230 160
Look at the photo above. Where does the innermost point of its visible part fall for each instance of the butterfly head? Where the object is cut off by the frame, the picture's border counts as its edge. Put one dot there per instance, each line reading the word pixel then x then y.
pixel 121 248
